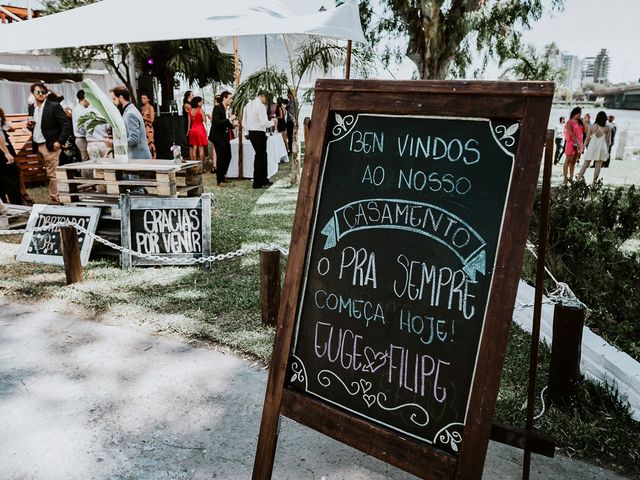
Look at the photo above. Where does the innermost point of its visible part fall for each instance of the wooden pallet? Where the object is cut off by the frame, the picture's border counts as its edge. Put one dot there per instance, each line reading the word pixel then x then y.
pixel 31 169
pixel 93 182
pixel 17 217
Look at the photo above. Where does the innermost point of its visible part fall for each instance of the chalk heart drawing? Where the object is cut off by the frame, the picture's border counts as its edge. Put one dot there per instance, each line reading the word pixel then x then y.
pixel 365 385
pixel 369 400
pixel 418 415
pixel 375 360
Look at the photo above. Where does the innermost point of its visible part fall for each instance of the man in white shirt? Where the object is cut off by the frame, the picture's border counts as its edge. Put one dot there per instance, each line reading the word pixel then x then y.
pixel 256 122
pixel 79 132
pixel 559 140
pixel 50 128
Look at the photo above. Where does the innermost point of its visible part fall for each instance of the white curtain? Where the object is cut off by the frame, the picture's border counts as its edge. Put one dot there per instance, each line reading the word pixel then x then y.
pixel 14 95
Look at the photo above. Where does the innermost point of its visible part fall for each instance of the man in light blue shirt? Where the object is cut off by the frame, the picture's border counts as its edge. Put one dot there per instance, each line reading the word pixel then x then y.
pixel 136 136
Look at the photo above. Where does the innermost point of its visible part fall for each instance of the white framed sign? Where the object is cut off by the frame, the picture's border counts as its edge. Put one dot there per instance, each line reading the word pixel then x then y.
pixel 44 247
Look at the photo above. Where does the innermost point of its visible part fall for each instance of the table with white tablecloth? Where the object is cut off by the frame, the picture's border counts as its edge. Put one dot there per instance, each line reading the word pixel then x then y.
pixel 276 152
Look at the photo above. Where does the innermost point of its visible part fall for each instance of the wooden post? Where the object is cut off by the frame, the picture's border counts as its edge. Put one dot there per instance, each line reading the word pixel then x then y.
pixel 537 306
pixel 71 254
pixel 564 369
pixel 347 68
pixel 269 286
pixel 236 82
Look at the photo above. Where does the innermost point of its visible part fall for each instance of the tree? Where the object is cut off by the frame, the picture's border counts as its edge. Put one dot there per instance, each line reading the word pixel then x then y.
pixel 199 60
pixel 529 65
pixel 442 33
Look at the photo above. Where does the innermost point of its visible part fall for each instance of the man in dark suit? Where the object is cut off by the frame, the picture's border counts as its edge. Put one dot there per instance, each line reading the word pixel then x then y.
pixel 50 127
pixel 221 126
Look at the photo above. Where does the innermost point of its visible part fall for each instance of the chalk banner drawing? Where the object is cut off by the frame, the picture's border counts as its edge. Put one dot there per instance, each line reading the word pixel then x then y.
pixel 399 268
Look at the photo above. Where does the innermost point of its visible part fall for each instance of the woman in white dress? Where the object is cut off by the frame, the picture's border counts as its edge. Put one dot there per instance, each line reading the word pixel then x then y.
pixel 597 145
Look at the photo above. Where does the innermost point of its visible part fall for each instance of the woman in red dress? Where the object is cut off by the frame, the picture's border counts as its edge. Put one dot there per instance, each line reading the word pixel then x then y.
pixel 197 133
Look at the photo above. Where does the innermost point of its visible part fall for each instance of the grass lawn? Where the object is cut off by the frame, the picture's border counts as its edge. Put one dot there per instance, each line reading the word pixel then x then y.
pixel 222 306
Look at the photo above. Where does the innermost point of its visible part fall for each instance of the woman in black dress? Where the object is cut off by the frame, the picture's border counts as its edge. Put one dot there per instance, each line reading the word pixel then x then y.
pixel 9 176
pixel 281 116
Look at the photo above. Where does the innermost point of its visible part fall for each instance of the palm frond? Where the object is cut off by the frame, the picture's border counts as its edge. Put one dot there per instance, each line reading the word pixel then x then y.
pixel 321 54
pixel 274 81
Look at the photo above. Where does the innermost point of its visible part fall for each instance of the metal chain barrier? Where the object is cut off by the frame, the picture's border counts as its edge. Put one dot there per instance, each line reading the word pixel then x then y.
pixel 146 256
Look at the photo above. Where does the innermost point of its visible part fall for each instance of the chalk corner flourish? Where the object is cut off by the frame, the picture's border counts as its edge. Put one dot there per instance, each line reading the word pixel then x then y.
pixel 449 437
pixel 506 135
pixel 344 124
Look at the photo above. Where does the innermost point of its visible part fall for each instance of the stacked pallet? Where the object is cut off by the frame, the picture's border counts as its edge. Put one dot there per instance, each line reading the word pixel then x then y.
pixel 31 170
pixel 93 184
pixel 78 182
pixel 16 217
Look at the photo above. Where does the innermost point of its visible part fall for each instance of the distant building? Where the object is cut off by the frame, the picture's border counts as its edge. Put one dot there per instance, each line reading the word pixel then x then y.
pixel 588 70
pixel 573 71
pixel 601 68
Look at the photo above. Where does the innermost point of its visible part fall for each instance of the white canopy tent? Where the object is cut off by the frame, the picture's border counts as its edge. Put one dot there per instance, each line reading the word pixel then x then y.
pixel 127 21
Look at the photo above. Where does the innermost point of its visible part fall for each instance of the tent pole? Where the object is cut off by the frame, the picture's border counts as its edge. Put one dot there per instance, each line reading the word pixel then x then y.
pixel 236 83
pixel 347 70
pixel 266 53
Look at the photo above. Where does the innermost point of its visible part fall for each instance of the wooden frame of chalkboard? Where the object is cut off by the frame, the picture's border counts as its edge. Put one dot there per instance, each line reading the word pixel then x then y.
pixel 188 227
pixel 514 117
pixel 44 247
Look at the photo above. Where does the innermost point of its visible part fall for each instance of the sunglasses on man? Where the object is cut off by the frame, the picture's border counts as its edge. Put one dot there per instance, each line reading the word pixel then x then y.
pixel 40 92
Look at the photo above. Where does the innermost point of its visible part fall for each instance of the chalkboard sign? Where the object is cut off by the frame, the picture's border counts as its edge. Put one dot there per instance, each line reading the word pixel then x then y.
pixel 170 228
pixel 44 246
pixel 402 279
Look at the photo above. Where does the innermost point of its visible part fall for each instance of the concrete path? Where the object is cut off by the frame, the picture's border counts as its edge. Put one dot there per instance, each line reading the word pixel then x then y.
pixel 86 400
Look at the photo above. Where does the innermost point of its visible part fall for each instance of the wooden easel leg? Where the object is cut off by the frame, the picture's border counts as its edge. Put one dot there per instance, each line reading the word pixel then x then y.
pixel 537 307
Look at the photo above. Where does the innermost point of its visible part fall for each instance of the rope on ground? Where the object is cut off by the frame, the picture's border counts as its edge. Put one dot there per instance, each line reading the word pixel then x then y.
pixel 172 261
pixel 544 406
pixel 562 294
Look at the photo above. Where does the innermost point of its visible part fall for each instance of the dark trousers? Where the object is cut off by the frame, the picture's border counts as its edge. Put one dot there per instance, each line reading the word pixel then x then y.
pixel 559 149
pixel 290 137
pixel 258 141
pixel 606 164
pixel 10 182
pixel 223 155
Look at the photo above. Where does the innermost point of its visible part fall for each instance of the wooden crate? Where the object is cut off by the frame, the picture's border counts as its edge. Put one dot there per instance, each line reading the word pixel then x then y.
pixel 17 217
pixel 29 165
pixel 92 181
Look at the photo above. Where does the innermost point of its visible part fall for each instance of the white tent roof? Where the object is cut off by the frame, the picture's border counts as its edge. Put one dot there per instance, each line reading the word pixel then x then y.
pixel 133 21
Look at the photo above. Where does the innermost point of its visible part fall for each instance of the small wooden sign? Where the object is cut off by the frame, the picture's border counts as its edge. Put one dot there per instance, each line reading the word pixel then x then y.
pixel 44 247
pixel 406 252
pixel 171 228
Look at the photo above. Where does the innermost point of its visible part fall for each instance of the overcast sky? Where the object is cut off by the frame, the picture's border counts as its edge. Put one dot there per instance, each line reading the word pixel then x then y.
pixel 582 28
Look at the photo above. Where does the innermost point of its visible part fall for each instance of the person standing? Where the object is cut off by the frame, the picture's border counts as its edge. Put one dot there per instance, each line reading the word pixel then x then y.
pixel 50 128
pixel 573 143
pixel 614 129
pixel 220 135
pixel 597 145
pixel 559 141
pixel 197 132
pixel 290 106
pixel 256 122
pixel 80 133
pixel 9 176
pixel 281 119
pixel 149 116
pixel 134 124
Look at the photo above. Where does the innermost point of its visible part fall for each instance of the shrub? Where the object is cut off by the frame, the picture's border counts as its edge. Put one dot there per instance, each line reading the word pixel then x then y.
pixel 587 227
